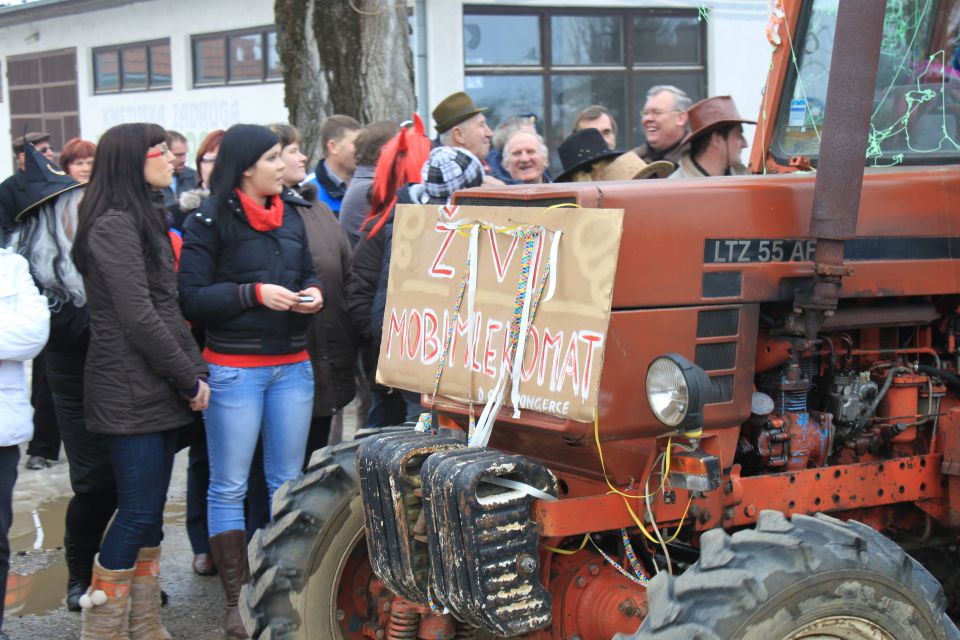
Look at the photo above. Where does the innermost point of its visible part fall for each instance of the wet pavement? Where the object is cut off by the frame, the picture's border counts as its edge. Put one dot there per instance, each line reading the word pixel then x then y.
pixel 36 588
pixel 38 574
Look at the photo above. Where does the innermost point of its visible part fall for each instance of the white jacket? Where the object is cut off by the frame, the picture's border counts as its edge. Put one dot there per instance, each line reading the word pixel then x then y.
pixel 24 328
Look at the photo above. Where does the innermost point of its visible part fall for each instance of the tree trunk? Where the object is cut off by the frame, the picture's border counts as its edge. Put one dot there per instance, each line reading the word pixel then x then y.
pixel 355 60
pixel 304 84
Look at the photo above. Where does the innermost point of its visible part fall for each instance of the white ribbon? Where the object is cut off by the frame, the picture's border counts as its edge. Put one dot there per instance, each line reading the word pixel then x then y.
pixel 528 489
pixel 472 252
pixel 552 286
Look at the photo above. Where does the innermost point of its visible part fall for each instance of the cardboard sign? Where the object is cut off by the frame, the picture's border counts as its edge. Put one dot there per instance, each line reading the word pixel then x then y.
pixel 523 269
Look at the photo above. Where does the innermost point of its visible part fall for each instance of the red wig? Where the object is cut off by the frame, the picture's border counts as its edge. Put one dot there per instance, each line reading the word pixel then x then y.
pixel 76 149
pixel 400 163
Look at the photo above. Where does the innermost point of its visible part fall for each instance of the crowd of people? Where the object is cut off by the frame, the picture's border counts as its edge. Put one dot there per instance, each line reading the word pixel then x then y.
pixel 235 309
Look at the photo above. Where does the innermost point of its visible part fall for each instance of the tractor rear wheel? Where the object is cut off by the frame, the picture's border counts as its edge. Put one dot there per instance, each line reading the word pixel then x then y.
pixel 309 570
pixel 807 578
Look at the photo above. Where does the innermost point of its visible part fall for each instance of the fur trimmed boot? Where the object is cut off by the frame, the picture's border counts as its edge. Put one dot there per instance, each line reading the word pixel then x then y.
pixel 145 598
pixel 230 555
pixel 106 605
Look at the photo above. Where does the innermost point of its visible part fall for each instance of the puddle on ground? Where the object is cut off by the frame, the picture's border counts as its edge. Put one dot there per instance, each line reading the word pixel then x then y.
pixel 37 582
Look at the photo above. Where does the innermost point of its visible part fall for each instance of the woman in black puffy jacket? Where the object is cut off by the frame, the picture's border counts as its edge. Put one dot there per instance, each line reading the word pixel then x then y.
pixel 246 275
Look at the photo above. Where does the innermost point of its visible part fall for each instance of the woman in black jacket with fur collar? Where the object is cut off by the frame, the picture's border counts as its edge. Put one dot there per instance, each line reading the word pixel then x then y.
pixel 246 275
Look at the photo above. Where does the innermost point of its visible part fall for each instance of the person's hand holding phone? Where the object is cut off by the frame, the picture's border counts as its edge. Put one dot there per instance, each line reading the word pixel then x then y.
pixel 310 300
pixel 278 298
pixel 200 401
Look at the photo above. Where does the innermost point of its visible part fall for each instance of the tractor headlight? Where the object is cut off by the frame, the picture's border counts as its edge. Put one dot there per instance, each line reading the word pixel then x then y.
pixel 677 389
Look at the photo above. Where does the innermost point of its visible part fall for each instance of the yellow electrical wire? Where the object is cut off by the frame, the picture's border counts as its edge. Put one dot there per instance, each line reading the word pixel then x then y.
pixel 603 467
pixel 646 533
pixel 569 552
pixel 663 480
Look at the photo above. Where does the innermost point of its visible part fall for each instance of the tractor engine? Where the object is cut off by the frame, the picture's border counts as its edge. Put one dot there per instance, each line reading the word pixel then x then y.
pixel 841 398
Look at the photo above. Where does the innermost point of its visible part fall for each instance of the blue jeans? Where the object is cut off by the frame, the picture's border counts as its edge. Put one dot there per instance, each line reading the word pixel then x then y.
pixel 274 402
pixel 142 465
pixel 9 457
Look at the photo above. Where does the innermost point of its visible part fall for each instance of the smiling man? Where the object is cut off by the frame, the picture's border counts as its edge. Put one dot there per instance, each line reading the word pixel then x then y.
pixel 525 157
pixel 664 123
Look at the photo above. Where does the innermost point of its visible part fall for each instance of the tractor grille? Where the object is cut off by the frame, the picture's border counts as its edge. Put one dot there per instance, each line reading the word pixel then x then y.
pixel 723 388
pixel 716 323
pixel 715 357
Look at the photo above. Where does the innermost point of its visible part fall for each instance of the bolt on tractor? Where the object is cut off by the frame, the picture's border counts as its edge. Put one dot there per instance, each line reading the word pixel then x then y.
pixel 766 442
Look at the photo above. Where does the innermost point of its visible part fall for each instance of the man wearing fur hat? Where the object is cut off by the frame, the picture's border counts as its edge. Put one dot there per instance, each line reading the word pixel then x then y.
pixel 715 141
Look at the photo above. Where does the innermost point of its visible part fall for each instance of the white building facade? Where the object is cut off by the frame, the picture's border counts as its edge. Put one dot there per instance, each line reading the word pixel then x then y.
pixel 78 67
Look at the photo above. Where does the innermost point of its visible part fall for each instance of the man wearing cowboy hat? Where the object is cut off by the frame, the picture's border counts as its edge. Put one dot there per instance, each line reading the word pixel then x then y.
pixel 715 140
pixel 461 123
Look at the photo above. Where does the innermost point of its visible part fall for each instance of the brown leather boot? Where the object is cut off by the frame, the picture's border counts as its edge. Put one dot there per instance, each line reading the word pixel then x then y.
pixel 230 555
pixel 106 605
pixel 145 598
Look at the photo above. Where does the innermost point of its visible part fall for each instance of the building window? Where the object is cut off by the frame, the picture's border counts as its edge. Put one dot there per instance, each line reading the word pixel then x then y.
pixel 553 62
pixel 237 57
pixel 142 66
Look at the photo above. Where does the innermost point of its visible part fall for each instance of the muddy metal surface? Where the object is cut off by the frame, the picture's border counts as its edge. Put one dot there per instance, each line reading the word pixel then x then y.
pixel 36 588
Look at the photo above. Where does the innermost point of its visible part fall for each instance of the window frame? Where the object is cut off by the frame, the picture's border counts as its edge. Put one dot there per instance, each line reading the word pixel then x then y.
pixel 628 69
pixel 265 78
pixel 118 49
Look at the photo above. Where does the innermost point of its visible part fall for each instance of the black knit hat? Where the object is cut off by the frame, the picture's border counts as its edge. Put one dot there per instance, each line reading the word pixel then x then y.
pixel 241 148
pixel 247 142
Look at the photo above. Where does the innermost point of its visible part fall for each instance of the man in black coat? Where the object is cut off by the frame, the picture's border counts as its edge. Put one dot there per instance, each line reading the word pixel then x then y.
pixel 184 178
pixel 13 189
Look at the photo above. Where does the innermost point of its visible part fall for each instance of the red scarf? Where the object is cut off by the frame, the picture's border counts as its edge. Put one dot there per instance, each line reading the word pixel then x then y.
pixel 262 218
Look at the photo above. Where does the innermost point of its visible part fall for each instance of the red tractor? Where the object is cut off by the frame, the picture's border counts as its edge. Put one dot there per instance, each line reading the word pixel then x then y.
pixel 776 454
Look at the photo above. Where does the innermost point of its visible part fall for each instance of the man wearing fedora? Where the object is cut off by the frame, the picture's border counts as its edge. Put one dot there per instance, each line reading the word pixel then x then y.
pixel 715 141
pixel 461 123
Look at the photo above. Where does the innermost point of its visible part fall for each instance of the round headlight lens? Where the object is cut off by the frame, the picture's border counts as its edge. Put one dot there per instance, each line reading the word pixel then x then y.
pixel 667 392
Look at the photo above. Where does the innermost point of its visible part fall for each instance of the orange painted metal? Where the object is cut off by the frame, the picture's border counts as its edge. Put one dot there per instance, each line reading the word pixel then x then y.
pixel 900 404
pixel 773 351
pixel 827 489
pixel 591 600
pixel 776 78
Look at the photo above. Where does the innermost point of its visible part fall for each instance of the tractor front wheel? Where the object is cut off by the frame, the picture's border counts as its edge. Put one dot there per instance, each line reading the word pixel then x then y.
pixel 807 578
pixel 310 575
